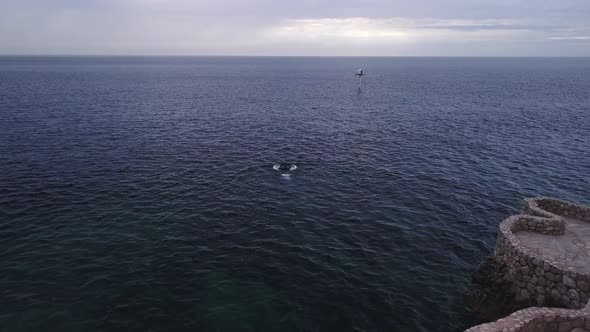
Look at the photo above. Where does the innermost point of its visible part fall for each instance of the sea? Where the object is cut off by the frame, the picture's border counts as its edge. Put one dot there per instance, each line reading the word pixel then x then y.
pixel 139 193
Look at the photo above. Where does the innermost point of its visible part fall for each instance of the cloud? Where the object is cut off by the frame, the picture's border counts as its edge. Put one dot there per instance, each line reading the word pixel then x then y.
pixel 394 30
pixel 570 38
pixel 304 27
pixel 489 25
pixel 340 28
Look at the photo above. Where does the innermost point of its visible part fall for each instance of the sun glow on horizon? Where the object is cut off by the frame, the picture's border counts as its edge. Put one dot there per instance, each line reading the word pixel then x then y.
pixel 355 28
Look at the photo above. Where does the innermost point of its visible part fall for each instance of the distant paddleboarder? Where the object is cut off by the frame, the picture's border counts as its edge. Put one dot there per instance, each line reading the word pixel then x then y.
pixel 360 73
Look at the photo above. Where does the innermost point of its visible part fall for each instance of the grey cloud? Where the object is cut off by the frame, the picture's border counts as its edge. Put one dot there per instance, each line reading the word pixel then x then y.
pixel 479 27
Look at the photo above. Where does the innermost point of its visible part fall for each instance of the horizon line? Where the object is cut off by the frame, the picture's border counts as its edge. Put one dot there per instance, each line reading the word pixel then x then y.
pixel 288 56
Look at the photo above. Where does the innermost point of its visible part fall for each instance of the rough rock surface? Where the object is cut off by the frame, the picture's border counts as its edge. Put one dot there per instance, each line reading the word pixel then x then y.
pixel 540 320
pixel 491 295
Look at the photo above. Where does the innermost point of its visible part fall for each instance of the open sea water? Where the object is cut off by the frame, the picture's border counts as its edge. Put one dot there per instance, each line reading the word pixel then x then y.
pixel 138 193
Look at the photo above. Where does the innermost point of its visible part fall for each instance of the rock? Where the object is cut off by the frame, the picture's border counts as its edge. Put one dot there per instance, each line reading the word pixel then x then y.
pixel 551 327
pixel 565 327
pixel 523 297
pixel 565 300
pixel 561 289
pixel 569 282
pixel 541 281
pixel 578 322
pixel 573 294
pixel 555 296
pixel 549 276
pixel 583 285
pixel 530 288
pixel 491 294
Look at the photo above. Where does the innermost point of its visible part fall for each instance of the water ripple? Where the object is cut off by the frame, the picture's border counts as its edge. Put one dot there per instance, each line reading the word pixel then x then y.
pixel 139 194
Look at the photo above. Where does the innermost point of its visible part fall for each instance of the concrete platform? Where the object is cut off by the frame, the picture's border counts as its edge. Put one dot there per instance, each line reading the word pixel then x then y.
pixel 570 250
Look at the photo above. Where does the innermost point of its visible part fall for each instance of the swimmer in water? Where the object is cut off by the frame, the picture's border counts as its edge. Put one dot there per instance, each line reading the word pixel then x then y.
pixel 284 167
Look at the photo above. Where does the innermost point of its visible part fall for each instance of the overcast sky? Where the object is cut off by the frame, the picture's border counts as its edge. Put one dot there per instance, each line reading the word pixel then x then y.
pixel 296 27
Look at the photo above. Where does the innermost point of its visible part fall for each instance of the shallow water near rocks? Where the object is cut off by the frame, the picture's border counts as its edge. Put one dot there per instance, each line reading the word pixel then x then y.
pixel 138 193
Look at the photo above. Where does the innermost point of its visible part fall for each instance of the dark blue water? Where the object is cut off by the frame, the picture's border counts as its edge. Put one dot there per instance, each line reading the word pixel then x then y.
pixel 138 194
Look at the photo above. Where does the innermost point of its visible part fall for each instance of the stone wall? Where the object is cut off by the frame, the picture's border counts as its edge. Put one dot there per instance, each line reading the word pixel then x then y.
pixel 553 207
pixel 538 281
pixel 540 319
